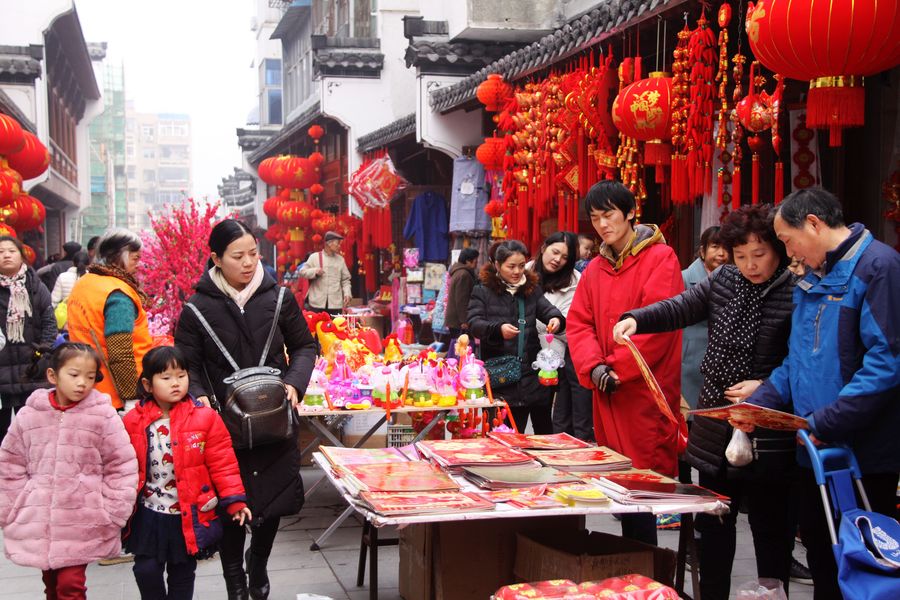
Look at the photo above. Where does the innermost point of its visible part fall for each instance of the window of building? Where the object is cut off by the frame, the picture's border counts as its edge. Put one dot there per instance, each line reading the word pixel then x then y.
pixel 173 174
pixel 273 108
pixel 147 132
pixel 149 175
pixel 148 152
pixel 272 71
pixel 132 171
pixel 129 150
pixel 171 152
pixel 173 129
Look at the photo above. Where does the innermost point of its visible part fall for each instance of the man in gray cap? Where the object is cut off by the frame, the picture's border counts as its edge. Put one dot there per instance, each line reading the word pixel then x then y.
pixel 329 278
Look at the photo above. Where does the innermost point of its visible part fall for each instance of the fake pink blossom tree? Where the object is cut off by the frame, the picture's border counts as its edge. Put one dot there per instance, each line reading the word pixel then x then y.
pixel 173 259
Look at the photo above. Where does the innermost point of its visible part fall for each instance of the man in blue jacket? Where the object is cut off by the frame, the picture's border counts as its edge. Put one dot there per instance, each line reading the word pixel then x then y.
pixel 842 372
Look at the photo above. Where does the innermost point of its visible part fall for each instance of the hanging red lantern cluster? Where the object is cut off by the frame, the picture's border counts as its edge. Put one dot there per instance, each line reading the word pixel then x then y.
pixel 643 111
pixel 491 153
pixel 22 156
pixel 291 172
pixel 841 42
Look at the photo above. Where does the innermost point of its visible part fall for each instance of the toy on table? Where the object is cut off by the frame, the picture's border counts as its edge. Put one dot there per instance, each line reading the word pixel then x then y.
pixel 314 397
pixel 417 392
pixel 392 351
pixel 443 382
pixel 383 383
pixel 340 384
pixel 472 375
pixel 547 364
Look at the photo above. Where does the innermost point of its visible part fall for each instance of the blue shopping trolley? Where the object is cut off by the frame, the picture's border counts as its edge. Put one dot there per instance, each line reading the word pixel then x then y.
pixel 866 545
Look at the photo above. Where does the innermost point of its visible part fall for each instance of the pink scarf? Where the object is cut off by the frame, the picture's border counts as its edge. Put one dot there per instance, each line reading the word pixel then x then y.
pixel 19 305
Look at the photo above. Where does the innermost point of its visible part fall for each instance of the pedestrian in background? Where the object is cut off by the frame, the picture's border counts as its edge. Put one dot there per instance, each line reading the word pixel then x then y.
pixel 67 475
pixel 107 310
pixel 462 282
pixel 555 268
pixel 329 277
pixel 26 320
pixel 51 272
pixel 503 314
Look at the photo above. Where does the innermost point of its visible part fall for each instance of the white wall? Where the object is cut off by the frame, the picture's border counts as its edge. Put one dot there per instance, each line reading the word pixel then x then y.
pixel 450 132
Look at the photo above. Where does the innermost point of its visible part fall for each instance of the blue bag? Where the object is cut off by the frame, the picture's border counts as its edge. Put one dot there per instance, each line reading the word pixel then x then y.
pixel 869 556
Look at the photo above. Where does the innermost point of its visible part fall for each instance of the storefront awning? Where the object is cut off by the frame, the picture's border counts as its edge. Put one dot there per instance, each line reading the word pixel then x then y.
pixel 608 18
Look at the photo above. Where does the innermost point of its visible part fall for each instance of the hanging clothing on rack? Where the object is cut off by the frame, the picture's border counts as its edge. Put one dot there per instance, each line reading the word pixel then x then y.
pixel 469 196
pixel 427 224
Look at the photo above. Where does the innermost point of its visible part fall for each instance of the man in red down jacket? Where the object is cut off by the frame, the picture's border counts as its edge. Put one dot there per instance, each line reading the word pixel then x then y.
pixel 635 268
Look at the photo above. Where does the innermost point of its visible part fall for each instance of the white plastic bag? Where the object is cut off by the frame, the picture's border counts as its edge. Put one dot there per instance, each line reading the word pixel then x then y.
pixel 762 589
pixel 739 452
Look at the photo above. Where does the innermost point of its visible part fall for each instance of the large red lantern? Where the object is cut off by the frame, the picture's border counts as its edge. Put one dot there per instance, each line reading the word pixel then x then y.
pixel 493 92
pixel 491 153
pixel 643 111
pixel 832 44
pixel 271 206
pixel 7 230
pixel 32 160
pixel 30 254
pixel 11 136
pixel 30 213
pixel 10 186
pixel 295 213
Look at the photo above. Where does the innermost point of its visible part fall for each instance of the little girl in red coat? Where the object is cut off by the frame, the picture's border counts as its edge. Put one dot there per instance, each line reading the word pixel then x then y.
pixel 188 475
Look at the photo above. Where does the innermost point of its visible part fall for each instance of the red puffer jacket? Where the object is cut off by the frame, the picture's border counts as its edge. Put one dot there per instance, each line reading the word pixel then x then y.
pixel 205 466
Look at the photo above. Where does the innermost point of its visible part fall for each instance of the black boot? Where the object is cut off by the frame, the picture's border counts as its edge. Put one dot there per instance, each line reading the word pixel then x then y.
pixel 259 578
pixel 235 581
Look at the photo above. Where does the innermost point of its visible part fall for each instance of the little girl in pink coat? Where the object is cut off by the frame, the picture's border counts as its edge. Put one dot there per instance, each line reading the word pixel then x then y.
pixel 67 476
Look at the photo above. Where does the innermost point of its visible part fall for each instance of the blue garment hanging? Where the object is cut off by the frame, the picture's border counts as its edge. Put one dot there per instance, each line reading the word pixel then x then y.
pixel 427 224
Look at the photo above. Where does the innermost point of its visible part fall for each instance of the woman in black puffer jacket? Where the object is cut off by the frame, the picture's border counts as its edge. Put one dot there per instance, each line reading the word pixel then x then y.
pixel 748 306
pixel 493 316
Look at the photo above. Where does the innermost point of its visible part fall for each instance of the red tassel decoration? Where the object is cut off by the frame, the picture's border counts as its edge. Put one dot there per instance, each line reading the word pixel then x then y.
pixel 836 108
pixel 721 187
pixel 736 188
pixel 755 179
pixel 779 182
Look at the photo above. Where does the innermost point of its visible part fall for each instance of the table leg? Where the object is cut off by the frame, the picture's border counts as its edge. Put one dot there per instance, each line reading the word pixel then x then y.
pixel 373 562
pixel 370 432
pixel 685 541
pixel 363 546
pixel 323 432
pixel 332 528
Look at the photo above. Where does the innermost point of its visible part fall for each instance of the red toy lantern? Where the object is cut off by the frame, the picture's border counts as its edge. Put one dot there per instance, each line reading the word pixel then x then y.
pixel 493 92
pixel 491 153
pixel 643 111
pixel 842 41
pixel 11 136
pixel 316 132
pixel 32 160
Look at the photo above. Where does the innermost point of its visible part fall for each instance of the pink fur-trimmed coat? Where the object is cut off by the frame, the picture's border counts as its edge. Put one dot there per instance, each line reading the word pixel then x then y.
pixel 67 481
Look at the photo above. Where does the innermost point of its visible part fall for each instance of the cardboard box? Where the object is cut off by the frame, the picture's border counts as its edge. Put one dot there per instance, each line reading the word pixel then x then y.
pixel 589 556
pixel 358 425
pixel 467 559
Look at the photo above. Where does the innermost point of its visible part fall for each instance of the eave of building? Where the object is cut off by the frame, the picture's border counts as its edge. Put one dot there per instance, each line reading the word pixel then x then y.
pixel 281 138
pixel 388 134
pixel 346 57
pixel 8 106
pixel 68 27
pixel 437 54
pixel 251 139
pixel 20 64
pixel 296 13
pixel 606 19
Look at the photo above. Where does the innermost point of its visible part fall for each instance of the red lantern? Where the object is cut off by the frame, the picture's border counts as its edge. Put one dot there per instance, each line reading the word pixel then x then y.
pixel 317 158
pixel 30 254
pixel 316 239
pixel 7 230
pixel 316 132
pixel 491 153
pixel 316 189
pixel 494 209
pixel 10 186
pixel 30 213
pixel 755 113
pixel 643 110
pixel 295 213
pixel 271 206
pixel 12 138
pixel 32 160
pixel 493 92
pixel 842 41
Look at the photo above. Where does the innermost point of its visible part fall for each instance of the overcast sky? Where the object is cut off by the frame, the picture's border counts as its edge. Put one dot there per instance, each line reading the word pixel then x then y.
pixel 185 56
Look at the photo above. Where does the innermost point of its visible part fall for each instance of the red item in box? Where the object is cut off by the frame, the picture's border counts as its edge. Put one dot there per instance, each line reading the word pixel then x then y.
pixel 628 587
pixel 540 590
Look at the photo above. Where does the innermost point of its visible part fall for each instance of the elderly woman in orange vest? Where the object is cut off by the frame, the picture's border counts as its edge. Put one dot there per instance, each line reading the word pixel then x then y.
pixel 106 311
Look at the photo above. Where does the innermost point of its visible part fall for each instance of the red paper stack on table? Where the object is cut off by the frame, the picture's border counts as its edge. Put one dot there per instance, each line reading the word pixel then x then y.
pixel 626 587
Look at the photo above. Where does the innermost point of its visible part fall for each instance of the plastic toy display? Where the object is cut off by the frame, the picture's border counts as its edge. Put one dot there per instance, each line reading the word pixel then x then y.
pixel 548 363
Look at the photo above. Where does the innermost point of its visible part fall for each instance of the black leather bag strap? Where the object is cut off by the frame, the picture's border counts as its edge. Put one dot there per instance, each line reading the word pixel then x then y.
pixel 521 325
pixel 265 352
pixel 213 336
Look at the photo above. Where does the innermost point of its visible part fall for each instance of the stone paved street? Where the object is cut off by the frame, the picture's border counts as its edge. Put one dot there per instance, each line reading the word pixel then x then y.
pixel 331 572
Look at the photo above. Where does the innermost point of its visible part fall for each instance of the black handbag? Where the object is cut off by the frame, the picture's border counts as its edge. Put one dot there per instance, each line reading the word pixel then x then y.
pixel 256 410
pixel 507 369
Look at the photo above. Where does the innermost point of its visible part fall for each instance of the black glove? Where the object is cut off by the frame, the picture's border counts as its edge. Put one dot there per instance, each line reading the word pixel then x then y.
pixel 603 380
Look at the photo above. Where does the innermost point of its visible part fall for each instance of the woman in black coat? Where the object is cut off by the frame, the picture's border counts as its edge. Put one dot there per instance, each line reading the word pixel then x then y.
pixel 748 306
pixel 26 320
pixel 238 300
pixel 493 316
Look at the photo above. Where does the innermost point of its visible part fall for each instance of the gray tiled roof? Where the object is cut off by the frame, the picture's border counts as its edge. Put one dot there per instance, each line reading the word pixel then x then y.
pixel 387 134
pixel 607 17
pixel 360 62
pixel 431 50
pixel 20 64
